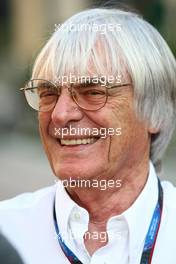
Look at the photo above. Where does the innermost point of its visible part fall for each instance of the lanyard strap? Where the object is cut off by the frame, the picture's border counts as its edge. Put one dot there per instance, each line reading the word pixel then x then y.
pixel 150 239
pixel 153 230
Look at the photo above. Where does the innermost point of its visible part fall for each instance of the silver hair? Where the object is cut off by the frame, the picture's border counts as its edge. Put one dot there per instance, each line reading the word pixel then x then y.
pixel 133 45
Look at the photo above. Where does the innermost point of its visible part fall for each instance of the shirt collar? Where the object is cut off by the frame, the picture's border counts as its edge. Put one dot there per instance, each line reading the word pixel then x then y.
pixel 63 206
pixel 137 216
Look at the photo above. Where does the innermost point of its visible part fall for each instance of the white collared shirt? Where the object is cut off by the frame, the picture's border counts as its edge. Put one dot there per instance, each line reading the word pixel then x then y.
pixel 27 221
pixel 123 242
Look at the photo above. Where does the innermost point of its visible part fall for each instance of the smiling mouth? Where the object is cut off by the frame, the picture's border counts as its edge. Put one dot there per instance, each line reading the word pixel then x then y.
pixel 74 142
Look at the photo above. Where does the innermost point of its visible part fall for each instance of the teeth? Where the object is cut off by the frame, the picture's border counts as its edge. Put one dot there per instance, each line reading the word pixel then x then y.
pixel 92 140
pixel 83 141
pixel 78 141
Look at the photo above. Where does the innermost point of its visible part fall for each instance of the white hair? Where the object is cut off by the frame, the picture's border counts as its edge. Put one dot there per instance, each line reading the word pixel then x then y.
pixel 134 44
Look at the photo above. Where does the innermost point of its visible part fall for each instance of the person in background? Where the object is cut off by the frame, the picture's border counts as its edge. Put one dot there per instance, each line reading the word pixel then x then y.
pixel 8 254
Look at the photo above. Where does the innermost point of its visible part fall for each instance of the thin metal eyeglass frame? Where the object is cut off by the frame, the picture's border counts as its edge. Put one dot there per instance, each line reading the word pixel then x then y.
pixel 70 89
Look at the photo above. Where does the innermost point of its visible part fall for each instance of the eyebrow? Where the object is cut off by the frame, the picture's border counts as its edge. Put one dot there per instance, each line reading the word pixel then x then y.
pixel 38 86
pixel 118 85
pixel 89 82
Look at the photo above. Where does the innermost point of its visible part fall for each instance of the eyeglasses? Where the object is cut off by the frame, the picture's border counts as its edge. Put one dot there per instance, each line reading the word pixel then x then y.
pixel 42 95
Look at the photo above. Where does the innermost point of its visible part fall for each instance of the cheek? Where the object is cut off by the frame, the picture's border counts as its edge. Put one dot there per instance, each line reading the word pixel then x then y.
pixel 44 121
pixel 134 139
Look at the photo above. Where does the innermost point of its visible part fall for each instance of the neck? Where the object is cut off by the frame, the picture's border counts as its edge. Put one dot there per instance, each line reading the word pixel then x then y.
pixel 103 204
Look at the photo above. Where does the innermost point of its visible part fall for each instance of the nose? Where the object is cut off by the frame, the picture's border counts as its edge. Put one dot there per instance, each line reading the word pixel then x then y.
pixel 65 110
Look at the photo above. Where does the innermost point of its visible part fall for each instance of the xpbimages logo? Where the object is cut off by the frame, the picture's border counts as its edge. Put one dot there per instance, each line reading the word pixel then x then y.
pixel 102 184
pixel 82 131
pixel 87 27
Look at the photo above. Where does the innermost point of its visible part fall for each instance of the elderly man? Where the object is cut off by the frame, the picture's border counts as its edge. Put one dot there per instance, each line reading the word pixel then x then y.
pixel 104 87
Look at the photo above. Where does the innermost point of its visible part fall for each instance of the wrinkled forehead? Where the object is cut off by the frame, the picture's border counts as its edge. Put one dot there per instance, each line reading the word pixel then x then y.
pixel 79 55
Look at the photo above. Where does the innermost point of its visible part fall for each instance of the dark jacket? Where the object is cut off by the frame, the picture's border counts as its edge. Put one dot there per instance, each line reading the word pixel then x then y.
pixel 8 254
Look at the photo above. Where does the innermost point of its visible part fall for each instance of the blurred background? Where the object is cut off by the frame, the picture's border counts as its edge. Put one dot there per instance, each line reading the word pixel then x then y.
pixel 24 28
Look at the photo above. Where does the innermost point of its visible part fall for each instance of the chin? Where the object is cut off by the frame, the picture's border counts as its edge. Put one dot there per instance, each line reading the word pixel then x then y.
pixel 78 171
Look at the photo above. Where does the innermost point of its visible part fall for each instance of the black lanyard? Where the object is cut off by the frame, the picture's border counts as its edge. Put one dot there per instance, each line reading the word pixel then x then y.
pixel 150 239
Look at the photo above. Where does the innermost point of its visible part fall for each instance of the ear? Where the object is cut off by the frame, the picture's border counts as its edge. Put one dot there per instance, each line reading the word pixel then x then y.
pixel 153 130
